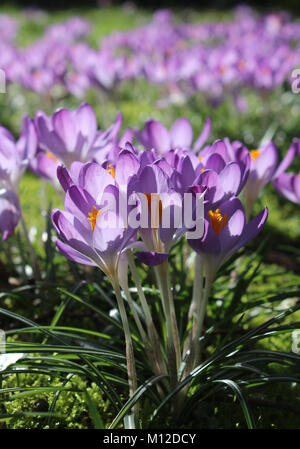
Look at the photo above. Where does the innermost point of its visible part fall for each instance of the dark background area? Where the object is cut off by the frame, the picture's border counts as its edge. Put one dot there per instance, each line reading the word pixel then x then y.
pixel 291 5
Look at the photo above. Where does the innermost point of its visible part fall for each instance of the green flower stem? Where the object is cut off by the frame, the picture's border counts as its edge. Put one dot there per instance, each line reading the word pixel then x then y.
pixel 132 379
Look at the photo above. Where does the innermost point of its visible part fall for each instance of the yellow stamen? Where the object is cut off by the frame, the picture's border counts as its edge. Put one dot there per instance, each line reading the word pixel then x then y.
pixel 254 154
pixel 93 217
pixel 218 221
pixel 50 156
pixel 202 170
pixel 200 158
pixel 111 170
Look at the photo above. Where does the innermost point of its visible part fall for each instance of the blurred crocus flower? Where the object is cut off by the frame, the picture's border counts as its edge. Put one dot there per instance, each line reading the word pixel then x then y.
pixel 44 165
pixel 263 169
pixel 10 212
pixel 225 232
pixel 72 136
pixel 156 136
pixel 16 155
pixel 288 185
pixel 39 80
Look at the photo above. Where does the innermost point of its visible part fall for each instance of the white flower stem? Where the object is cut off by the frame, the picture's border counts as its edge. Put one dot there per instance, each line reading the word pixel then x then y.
pixel 200 317
pixel 173 343
pixel 132 379
pixel 135 315
pixel 152 332
pixel 196 300
pixel 35 267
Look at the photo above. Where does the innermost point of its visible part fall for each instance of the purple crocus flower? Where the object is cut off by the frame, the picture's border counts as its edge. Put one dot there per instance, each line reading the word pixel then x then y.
pixel 10 212
pixel 72 136
pixel 44 165
pixel 288 185
pixel 92 233
pixel 15 155
pixel 264 168
pixel 157 136
pixel 156 201
pixel 225 231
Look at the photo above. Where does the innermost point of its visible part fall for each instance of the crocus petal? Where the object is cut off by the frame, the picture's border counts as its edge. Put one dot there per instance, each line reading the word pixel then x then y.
pixel 159 136
pixel 152 180
pixel 296 186
pixel 73 255
pixel 266 163
pixel 252 229
pixel 10 213
pixel 203 136
pixel 215 162
pixel 230 178
pixel 283 185
pixel 209 243
pixel 151 258
pixel 86 123
pixel 79 203
pixel 27 144
pixel 48 139
pixel 127 137
pixel 181 133
pixel 64 177
pixel 64 127
pixel 126 166
pixel 287 160
pixel 94 179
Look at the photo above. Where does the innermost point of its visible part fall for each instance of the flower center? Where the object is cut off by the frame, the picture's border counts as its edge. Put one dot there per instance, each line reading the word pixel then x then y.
pixel 218 221
pixel 50 156
pixel 254 154
pixel 111 170
pixel 242 65
pixel 93 217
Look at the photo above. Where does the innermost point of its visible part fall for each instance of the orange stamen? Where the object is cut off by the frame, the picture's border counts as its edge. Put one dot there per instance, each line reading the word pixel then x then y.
pixel 93 217
pixel 111 170
pixel 242 65
pixel 50 156
pixel 218 221
pixel 254 154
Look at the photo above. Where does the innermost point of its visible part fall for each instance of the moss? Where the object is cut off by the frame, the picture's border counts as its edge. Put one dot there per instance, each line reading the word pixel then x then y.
pixel 71 405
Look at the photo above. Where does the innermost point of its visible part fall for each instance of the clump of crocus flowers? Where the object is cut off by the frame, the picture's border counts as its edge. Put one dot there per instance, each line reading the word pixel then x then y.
pixel 125 201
